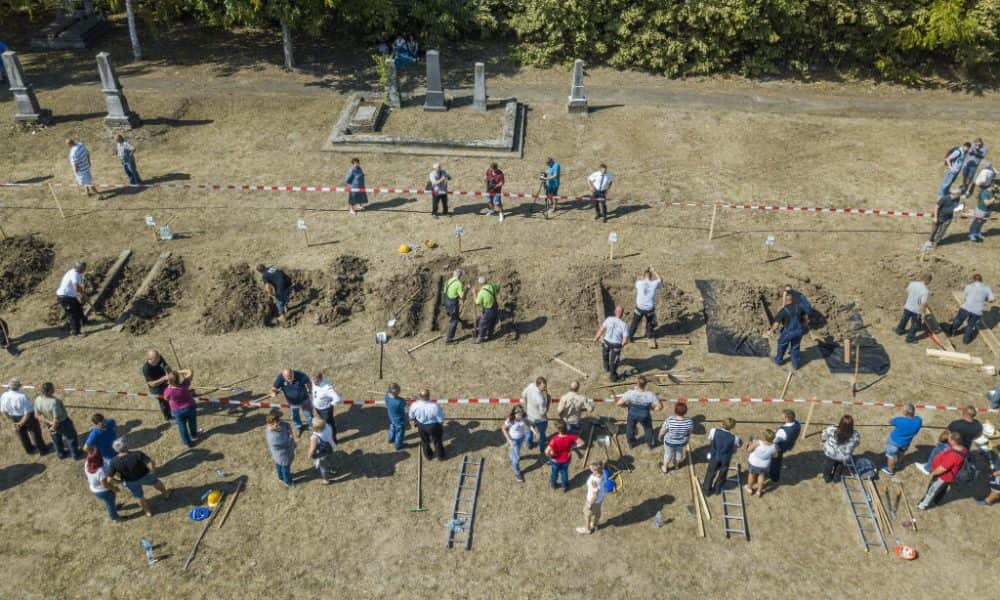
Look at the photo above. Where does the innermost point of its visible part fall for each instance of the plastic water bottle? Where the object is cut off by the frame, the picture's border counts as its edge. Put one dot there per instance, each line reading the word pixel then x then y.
pixel 147 546
pixel 220 473
pixel 658 520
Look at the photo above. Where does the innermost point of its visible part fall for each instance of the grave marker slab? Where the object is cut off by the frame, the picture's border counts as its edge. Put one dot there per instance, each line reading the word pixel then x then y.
pixel 434 100
pixel 479 92
pixel 577 99
pixel 119 114
pixel 26 109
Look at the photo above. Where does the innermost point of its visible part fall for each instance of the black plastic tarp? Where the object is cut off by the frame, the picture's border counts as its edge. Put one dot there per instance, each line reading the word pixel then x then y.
pixel 720 339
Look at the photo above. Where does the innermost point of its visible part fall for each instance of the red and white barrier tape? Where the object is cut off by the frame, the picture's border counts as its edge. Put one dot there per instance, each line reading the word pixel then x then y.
pixel 700 400
pixel 383 190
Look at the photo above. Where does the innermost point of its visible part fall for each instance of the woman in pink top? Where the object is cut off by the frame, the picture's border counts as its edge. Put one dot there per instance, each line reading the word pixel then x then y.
pixel 182 406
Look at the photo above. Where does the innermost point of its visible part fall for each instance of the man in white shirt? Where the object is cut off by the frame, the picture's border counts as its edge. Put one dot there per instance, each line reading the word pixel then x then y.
pixel 324 400
pixel 429 420
pixel 613 335
pixel 986 175
pixel 18 407
pixel 976 295
pixel 437 181
pixel 915 308
pixel 125 152
pixel 645 305
pixel 536 402
pixel 600 184
pixel 79 160
pixel 70 296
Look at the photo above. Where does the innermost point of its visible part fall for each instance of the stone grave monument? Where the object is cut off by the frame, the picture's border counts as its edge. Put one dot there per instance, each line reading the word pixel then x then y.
pixel 577 99
pixel 479 91
pixel 26 108
pixel 434 100
pixel 119 114
pixel 76 27
pixel 392 89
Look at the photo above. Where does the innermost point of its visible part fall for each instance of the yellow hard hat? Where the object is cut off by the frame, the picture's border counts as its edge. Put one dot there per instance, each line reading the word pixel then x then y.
pixel 213 499
pixel 403 248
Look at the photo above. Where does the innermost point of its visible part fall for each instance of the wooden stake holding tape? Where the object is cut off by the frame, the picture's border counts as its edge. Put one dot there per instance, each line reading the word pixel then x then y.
pixel 809 416
pixel 711 225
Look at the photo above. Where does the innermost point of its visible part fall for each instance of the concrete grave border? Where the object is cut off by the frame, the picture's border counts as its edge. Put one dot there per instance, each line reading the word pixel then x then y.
pixel 511 140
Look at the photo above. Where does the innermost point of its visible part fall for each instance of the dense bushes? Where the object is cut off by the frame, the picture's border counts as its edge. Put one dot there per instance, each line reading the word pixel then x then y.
pixel 895 39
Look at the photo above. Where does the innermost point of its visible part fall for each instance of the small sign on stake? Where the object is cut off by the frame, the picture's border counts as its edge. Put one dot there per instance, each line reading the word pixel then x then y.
pixel 768 244
pixel 151 223
pixel 459 232
pixel 612 240
pixel 301 226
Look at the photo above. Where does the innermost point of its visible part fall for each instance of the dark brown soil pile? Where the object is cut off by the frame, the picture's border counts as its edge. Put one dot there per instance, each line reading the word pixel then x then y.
pixel 152 307
pixel 307 294
pixel 740 307
pixel 412 297
pixel 237 302
pixel 346 293
pixel 24 263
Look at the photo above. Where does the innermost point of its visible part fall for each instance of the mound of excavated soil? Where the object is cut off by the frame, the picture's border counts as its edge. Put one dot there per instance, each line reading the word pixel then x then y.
pixel 152 307
pixel 411 297
pixel 237 302
pixel 308 291
pixel 345 295
pixel 897 271
pixel 24 262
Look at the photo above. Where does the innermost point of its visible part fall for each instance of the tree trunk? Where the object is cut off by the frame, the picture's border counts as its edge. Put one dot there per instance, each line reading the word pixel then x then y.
pixel 132 33
pixel 88 7
pixel 286 43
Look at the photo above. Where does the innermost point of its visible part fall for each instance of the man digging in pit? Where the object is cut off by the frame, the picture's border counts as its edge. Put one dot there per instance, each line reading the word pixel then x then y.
pixel 486 299
pixel 645 305
pixel 613 335
pixel 792 320
pixel 454 294
pixel 278 286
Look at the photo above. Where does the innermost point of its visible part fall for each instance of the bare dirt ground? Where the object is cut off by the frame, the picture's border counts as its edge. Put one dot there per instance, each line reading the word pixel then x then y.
pixel 247 121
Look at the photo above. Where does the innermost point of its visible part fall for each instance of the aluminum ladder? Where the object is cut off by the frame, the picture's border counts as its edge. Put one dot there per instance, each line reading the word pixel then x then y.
pixel 463 513
pixel 860 503
pixel 734 514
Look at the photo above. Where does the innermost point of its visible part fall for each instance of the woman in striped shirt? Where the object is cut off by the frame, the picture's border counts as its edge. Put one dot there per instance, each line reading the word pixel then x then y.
pixel 674 434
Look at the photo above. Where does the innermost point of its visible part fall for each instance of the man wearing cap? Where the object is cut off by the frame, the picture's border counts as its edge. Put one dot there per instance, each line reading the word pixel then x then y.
pixel 572 406
pixel 551 179
pixel 135 470
pixel 645 304
pixel 640 403
pixel 102 436
pixel 974 300
pixel 536 403
pixel 613 335
pixel 15 404
pixel 904 429
pixel 70 294
pixel 296 387
pixel 600 184
pixel 52 412
pixel 437 182
pixel 428 417
pixel 325 399
pixel 915 307
pixel 454 293
pixel 486 300
pixel 395 406
pixel 278 286
pixel 155 370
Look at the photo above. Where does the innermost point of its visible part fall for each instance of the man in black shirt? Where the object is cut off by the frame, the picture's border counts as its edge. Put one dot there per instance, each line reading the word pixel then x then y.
pixel 791 320
pixel 967 427
pixel 943 214
pixel 154 371
pixel 135 470
pixel 277 285
pixel 297 388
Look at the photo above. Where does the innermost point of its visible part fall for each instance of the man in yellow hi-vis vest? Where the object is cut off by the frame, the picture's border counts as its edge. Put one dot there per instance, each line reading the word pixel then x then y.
pixel 486 299
pixel 454 293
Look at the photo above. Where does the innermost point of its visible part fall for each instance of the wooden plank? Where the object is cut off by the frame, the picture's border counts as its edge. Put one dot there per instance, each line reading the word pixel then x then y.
pixel 109 279
pixel 932 324
pixel 956 356
pixel 147 283
pixel 987 335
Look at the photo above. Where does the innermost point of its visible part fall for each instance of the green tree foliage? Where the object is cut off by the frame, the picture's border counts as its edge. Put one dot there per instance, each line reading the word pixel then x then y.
pixel 896 39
